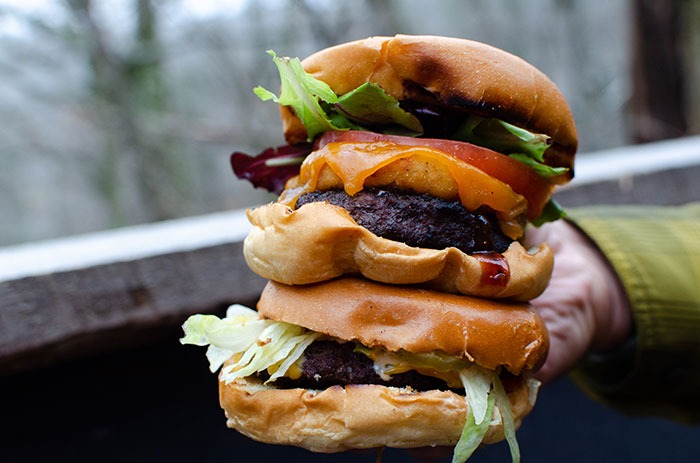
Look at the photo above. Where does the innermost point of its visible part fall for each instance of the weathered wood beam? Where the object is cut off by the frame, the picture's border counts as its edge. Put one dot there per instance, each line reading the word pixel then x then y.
pixel 121 288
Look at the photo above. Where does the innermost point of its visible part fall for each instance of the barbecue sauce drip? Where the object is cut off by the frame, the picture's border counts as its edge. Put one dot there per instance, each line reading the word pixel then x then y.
pixel 494 267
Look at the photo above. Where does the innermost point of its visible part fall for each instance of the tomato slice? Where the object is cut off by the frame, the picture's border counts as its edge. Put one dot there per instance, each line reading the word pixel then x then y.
pixel 522 179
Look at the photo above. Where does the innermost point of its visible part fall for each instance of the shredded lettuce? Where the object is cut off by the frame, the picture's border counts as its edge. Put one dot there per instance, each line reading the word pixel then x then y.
pixel 480 404
pixel 258 344
pixel 473 433
pixel 275 344
pixel 503 404
pixel 533 387
pixel 203 330
pixel 477 385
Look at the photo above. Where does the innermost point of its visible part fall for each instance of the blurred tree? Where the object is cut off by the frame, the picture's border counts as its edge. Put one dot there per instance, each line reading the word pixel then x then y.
pixel 140 172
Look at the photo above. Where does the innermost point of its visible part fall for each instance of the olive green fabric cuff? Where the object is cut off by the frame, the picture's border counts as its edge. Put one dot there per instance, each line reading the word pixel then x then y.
pixel 656 253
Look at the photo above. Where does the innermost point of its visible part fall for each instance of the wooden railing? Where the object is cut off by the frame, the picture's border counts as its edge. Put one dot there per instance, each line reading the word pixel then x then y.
pixel 94 293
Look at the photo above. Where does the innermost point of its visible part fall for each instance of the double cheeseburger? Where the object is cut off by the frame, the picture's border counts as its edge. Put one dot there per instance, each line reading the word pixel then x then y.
pixel 396 309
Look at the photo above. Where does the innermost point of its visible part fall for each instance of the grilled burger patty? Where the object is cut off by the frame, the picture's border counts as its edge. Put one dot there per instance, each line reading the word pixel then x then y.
pixel 419 220
pixel 329 363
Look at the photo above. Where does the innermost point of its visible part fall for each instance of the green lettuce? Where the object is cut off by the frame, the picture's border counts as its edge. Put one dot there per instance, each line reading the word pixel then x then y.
pixel 520 144
pixel 552 211
pixel 302 92
pixel 321 110
pixel 370 105
pixel 541 168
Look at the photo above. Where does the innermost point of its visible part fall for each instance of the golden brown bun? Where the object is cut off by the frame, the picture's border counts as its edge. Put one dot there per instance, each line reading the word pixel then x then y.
pixel 487 332
pixel 320 241
pixel 356 416
pixel 452 72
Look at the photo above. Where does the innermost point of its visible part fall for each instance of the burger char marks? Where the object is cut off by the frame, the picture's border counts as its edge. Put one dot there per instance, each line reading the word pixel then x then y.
pixel 418 220
pixel 329 363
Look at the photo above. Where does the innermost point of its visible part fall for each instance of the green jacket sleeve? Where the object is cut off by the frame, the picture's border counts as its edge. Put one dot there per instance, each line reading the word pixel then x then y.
pixel 656 253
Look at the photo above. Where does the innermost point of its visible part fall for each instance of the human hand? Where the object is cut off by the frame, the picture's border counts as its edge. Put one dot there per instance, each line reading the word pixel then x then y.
pixel 584 307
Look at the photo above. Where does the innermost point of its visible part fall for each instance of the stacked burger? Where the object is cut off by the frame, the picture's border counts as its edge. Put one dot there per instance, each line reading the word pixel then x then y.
pixel 396 310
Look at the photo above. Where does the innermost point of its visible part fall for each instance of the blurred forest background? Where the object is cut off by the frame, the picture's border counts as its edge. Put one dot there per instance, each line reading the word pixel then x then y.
pixel 121 112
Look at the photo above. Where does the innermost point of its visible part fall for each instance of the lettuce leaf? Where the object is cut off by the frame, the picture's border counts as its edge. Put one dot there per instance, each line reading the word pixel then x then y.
pixel 541 168
pixel 271 168
pixel 552 211
pixel 482 388
pixel 203 330
pixel 302 92
pixel 523 145
pixel 321 110
pixel 370 106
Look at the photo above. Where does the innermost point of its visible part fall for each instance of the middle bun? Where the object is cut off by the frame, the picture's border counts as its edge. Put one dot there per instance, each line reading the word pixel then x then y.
pixel 320 241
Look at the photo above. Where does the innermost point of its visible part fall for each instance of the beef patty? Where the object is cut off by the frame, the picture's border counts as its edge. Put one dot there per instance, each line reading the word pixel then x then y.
pixel 418 220
pixel 329 363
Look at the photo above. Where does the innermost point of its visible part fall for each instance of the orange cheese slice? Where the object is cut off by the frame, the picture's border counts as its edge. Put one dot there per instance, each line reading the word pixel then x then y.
pixel 357 164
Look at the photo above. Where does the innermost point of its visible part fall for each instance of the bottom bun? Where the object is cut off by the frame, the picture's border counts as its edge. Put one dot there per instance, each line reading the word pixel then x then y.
pixel 356 416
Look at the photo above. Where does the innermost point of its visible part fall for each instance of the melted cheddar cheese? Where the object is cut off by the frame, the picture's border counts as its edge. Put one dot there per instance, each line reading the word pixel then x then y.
pixel 355 165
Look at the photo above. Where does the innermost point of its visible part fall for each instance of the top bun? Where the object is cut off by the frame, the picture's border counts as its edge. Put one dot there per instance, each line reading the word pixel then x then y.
pixel 453 72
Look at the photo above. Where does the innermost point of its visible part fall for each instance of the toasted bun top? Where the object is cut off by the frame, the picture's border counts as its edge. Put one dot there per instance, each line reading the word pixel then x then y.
pixel 452 72
pixel 487 332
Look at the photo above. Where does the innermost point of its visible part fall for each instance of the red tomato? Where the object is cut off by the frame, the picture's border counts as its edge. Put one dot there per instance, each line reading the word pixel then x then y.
pixel 522 179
